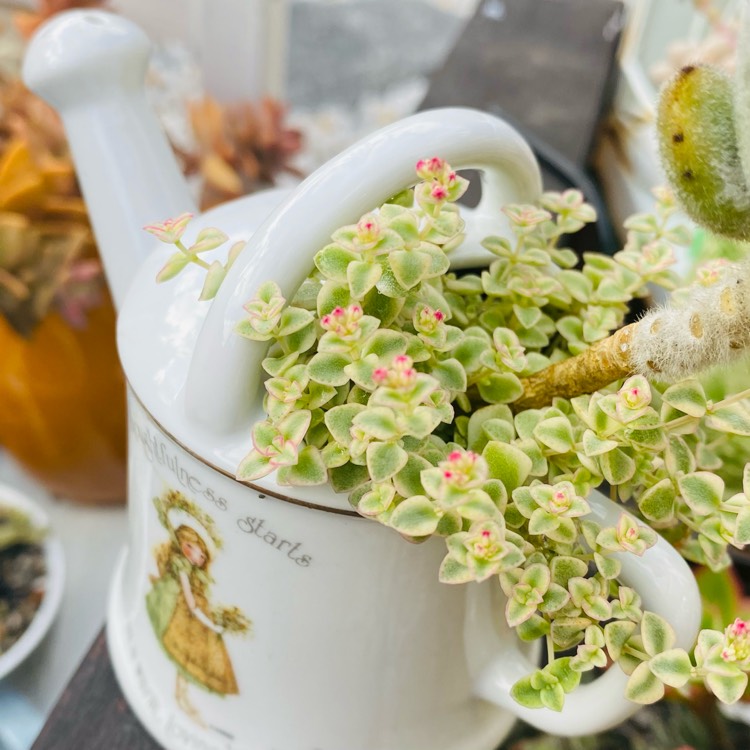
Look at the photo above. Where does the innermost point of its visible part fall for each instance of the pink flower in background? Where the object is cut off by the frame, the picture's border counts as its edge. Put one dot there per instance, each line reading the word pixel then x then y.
pixel 80 292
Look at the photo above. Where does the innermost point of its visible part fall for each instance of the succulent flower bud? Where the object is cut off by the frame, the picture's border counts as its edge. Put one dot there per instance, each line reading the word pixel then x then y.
pixel 737 643
pixel 464 469
pixel 343 321
pixel 170 230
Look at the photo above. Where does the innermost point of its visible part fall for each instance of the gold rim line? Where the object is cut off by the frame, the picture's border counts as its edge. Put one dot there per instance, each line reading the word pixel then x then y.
pixel 260 490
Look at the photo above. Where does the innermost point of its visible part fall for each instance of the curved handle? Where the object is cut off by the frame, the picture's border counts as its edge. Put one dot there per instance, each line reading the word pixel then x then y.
pixel 90 65
pixel 224 380
pixel 667 587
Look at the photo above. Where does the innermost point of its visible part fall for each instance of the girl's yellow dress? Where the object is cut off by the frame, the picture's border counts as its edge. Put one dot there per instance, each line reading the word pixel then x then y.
pixel 198 652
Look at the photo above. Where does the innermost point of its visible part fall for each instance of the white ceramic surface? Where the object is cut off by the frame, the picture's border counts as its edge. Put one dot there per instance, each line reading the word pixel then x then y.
pixel 54 583
pixel 356 645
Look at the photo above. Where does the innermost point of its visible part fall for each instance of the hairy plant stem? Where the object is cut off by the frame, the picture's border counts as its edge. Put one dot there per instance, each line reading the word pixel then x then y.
pixel 603 363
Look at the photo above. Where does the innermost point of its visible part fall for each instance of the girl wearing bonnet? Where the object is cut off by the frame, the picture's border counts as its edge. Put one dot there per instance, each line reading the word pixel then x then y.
pixel 189 629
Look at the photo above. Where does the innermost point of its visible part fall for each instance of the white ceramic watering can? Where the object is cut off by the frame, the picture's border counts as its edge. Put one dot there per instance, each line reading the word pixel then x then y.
pixel 355 646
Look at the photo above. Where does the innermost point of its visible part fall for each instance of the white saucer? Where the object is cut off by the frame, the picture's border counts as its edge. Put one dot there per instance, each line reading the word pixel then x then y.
pixel 54 583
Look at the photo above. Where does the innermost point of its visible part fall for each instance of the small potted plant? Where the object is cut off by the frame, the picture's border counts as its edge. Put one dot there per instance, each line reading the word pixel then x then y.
pixel 485 407
pixel 482 408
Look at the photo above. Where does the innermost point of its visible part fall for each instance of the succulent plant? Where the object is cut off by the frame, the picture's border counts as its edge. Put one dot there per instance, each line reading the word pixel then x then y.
pixel 705 142
pixel 16 527
pixel 484 408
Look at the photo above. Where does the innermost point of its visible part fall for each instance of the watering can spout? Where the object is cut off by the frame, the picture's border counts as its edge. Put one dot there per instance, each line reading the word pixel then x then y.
pixel 90 66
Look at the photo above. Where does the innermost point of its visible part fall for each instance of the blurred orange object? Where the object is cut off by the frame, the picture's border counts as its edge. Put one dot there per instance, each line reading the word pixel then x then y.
pixel 62 393
pixel 62 405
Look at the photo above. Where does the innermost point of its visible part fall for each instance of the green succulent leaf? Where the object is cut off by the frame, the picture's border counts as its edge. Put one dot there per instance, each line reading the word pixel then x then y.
pixel 453 571
pixel 384 460
pixel 450 374
pixel 672 667
pixel 409 267
pixel 658 635
pixel 415 517
pixel 362 276
pixel 617 467
pixel 728 688
pixel 687 397
pixel 333 261
pixel 644 686
pixel 507 463
pixel 310 469
pixel 702 491
pixel 526 695
pixel 348 477
pixel 595 446
pixel 208 239
pixel 534 628
pixel 327 368
pixel 616 635
pixel 657 503
pixel 500 388
pixel 556 433
pixel 734 419
pixel 254 466
pixel 175 263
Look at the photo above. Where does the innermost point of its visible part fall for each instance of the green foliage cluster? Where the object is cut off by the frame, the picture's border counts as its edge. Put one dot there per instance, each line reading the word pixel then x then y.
pixel 393 379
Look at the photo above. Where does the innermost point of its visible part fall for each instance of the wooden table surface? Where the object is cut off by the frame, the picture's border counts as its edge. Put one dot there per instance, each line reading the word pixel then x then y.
pixel 529 59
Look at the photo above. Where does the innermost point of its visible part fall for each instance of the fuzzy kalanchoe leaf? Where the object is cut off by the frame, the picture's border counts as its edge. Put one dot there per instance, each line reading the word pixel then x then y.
pixel 699 147
pixel 712 327
pixel 705 144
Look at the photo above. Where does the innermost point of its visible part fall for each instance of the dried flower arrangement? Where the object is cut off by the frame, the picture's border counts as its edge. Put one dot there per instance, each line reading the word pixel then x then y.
pixel 484 408
pixel 47 252
pixel 239 148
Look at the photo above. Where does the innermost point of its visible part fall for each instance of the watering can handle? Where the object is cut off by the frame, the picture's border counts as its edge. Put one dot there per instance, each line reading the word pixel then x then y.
pixel 667 587
pixel 223 387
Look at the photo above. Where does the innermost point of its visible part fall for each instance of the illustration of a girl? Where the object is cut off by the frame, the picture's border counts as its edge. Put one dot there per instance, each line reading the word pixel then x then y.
pixel 189 630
